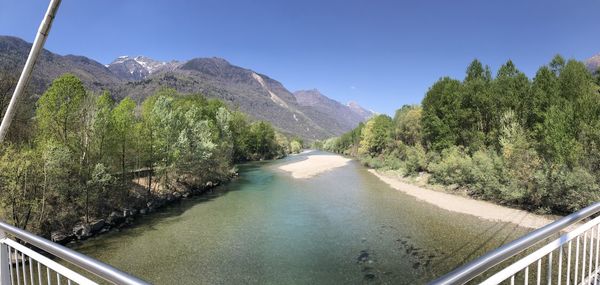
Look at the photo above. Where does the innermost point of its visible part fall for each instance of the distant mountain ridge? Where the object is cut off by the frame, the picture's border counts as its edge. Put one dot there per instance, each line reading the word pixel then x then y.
pixel 360 110
pixel 593 63
pixel 13 54
pixel 255 94
pixel 139 67
pixel 336 116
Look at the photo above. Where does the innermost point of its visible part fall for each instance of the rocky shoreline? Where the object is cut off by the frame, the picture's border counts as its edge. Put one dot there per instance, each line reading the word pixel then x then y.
pixel 123 218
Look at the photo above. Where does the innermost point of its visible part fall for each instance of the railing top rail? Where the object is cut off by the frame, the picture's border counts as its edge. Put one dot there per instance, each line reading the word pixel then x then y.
pixel 480 265
pixel 102 270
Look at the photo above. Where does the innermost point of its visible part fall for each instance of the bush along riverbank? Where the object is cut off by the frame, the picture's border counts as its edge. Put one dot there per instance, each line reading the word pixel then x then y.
pixel 140 206
pixel 81 163
pixel 526 143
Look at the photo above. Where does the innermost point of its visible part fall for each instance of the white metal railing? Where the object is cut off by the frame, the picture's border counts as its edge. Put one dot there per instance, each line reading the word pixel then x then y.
pixel 570 259
pixel 22 263
pixel 29 267
pixel 557 262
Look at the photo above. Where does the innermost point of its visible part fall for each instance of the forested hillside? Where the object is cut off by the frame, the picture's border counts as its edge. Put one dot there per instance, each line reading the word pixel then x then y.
pixel 77 156
pixel 533 143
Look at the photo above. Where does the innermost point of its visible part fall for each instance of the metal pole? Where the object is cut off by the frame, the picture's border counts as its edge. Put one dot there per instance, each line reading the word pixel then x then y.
pixel 36 48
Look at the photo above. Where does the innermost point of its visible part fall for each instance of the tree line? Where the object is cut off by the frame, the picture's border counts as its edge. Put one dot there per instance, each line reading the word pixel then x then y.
pixel 73 156
pixel 533 143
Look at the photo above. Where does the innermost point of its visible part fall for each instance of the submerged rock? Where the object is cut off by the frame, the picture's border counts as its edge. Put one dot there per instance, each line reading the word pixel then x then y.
pixel 370 276
pixel 363 257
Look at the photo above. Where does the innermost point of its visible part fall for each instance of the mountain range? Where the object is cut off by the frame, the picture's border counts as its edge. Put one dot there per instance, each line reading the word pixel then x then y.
pixel 307 114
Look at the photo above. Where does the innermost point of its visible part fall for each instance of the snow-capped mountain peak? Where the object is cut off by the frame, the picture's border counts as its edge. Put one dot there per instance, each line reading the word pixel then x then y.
pixel 139 67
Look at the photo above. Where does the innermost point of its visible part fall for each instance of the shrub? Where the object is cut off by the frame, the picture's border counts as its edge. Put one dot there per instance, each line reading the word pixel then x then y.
pixel 567 190
pixel 373 162
pixel 453 167
pixel 295 146
pixel 416 159
pixel 486 174
pixel 392 161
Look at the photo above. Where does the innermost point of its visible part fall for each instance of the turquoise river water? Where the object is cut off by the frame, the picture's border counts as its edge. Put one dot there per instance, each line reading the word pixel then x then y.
pixel 344 226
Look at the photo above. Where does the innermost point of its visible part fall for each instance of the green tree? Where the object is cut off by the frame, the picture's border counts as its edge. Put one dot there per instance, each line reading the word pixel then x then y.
pixel 512 89
pixel 376 135
pixel 21 183
pixel 123 117
pixel 521 160
pixel 261 141
pixel 557 64
pixel 101 181
pixel 59 108
pixel 441 108
pixel 545 93
pixel 559 143
pixel 103 129
pixel 407 123
pixel 240 132
pixel 295 146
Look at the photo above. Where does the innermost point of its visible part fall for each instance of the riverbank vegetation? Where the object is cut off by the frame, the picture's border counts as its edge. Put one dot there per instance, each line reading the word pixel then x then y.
pixel 533 143
pixel 77 156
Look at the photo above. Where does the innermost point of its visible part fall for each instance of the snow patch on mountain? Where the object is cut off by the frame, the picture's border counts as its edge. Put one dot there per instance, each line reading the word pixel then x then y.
pixel 140 67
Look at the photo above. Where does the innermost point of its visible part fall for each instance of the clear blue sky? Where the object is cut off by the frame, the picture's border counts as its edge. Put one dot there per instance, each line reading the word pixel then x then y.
pixel 382 54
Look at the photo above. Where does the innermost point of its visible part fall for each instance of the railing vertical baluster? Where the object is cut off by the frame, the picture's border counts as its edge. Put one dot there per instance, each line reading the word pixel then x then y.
pixel 539 271
pixel 526 282
pixel 17 269
pixel 24 270
pixel 39 267
pixel 31 271
pixel 549 273
pixel 12 279
pixel 591 254
pixel 576 260
pixel 583 256
pixel 5 274
pixel 569 264
pixel 560 259
pixel 48 276
pixel 512 280
pixel 597 248
pixel 57 278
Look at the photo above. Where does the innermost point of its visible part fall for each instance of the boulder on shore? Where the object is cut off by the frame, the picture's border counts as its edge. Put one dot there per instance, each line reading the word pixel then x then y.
pixel 97 225
pixel 115 218
pixel 61 237
pixel 82 231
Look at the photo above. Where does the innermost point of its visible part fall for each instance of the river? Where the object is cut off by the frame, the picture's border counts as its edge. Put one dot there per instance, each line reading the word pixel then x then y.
pixel 344 226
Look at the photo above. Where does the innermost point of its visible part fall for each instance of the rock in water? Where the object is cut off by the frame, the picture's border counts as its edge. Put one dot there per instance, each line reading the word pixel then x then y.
pixel 363 257
pixel 370 276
